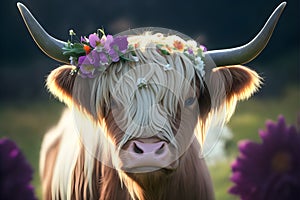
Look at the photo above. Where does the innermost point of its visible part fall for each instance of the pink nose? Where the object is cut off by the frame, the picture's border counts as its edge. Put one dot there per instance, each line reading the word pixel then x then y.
pixel 140 148
pixel 146 155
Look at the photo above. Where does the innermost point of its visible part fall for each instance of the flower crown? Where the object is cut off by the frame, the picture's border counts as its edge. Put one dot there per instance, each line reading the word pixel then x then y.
pixel 94 54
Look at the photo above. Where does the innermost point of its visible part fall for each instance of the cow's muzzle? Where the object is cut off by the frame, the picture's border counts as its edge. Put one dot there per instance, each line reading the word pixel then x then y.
pixel 141 156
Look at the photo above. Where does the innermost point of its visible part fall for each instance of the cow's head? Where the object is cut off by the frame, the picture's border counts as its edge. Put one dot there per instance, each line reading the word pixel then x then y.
pixel 148 111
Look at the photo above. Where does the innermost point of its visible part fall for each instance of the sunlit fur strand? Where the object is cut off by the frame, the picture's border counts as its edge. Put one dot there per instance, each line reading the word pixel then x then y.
pixel 236 83
pixel 60 83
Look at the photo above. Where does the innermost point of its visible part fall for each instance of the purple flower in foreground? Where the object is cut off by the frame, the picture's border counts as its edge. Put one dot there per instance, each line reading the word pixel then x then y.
pixel 15 173
pixel 270 170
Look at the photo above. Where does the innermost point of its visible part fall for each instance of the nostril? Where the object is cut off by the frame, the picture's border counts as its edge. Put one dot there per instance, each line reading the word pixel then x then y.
pixel 137 149
pixel 161 149
pixel 141 148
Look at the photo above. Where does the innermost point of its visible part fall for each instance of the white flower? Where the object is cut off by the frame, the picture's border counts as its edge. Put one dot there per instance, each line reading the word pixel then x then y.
pixel 141 82
pixel 167 67
pixel 134 58
pixel 192 44
pixel 72 60
pixel 199 66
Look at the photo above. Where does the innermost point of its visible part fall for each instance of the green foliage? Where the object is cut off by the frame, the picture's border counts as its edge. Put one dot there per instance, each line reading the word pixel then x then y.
pixel 220 174
pixel 74 50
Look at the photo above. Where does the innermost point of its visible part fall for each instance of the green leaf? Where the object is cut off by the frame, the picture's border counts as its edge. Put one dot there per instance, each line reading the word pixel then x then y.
pixel 77 45
pixel 74 50
pixel 199 52
pixel 165 52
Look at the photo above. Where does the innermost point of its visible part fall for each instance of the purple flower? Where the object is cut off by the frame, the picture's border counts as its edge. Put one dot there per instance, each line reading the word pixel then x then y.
pixel 94 58
pixel 94 40
pixel 115 45
pixel 83 39
pixel 204 49
pixel 120 43
pixel 15 173
pixel 113 55
pixel 98 59
pixel 270 170
pixel 103 58
pixel 108 41
pixel 109 48
pixel 190 51
pixel 86 66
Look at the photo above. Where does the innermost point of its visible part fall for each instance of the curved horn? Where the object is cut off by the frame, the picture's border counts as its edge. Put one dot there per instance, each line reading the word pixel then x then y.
pixel 48 44
pixel 247 52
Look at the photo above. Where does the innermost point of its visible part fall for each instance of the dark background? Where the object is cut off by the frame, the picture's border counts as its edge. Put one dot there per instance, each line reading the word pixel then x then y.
pixel 215 23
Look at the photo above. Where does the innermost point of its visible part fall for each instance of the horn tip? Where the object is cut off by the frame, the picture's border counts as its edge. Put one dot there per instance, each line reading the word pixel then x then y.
pixel 20 6
pixel 283 3
pixel 282 6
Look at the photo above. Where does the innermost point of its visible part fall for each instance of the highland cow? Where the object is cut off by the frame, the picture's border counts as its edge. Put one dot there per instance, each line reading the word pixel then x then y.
pixel 139 106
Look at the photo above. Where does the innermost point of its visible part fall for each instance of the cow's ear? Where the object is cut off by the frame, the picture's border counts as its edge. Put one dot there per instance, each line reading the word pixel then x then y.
pixel 240 82
pixel 60 83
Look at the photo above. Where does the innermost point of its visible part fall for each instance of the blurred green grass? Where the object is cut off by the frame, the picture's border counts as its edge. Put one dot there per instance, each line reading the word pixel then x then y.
pixel 26 122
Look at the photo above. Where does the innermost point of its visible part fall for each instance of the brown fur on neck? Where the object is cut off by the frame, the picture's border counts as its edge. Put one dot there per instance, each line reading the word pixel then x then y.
pixel 191 180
